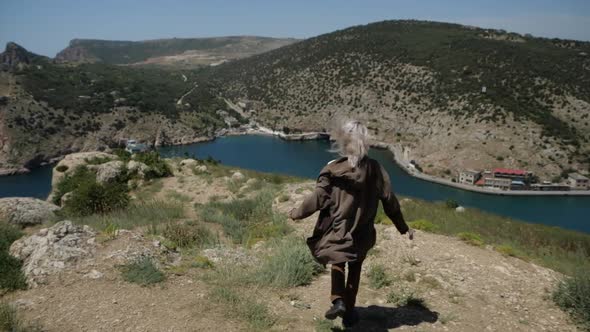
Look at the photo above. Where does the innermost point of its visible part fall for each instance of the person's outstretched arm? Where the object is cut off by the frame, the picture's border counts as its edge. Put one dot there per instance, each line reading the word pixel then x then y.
pixel 391 205
pixel 314 201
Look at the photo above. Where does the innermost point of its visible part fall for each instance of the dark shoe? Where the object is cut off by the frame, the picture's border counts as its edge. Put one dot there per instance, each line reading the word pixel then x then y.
pixel 337 310
pixel 350 319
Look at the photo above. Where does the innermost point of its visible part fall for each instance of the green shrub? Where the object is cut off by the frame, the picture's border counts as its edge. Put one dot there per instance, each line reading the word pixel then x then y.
pixel 92 197
pixel 143 271
pixel 471 238
pixel 290 265
pixel 11 276
pixel 188 236
pixel 573 296
pixel 61 168
pixel 451 204
pixel 378 277
pixel 284 198
pixel 158 166
pixel 423 225
pixel 122 154
pixel 81 176
pixel 243 307
pixel 11 322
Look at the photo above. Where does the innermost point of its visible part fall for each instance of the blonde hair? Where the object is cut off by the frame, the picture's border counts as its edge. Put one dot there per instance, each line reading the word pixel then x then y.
pixel 350 140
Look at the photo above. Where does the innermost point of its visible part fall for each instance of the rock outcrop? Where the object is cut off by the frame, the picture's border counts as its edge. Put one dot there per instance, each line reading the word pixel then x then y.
pixel 108 171
pixel 71 161
pixel 26 211
pixel 53 249
pixel 15 55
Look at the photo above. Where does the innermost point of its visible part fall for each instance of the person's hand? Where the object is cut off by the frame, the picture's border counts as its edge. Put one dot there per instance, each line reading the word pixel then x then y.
pixel 411 234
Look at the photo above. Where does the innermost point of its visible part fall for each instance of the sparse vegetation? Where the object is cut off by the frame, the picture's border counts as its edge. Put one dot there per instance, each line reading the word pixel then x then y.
pixel 246 221
pixel 137 214
pixel 423 225
pixel 244 307
pixel 573 296
pixel 553 247
pixel 10 320
pixel 143 271
pixel 471 238
pixel 289 265
pixel 378 277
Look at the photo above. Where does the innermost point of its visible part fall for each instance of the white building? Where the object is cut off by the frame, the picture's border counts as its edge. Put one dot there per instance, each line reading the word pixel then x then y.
pixel 469 177
pixel 578 182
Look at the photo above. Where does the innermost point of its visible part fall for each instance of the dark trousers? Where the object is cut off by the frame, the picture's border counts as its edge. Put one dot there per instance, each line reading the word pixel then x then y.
pixel 348 288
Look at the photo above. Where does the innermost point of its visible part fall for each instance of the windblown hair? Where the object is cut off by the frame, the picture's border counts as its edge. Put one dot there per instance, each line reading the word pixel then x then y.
pixel 350 140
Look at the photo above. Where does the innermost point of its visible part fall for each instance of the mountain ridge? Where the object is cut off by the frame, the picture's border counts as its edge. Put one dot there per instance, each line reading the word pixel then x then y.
pixel 137 52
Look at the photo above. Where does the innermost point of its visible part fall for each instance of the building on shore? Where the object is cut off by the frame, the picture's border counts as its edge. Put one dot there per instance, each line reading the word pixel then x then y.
pixel 469 176
pixel 577 181
pixel 549 187
pixel 499 183
pixel 513 174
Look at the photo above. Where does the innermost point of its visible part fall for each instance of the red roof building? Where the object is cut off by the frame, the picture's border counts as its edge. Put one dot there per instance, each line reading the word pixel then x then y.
pixel 507 171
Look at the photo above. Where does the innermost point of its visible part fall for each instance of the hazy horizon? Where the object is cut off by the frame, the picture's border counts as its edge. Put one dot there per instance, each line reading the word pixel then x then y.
pixel 47 27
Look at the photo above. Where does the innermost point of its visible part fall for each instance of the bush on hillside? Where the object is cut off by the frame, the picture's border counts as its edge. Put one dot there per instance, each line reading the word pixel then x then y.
pixel 158 166
pixel 81 176
pixel 11 276
pixel 187 236
pixel 573 296
pixel 92 198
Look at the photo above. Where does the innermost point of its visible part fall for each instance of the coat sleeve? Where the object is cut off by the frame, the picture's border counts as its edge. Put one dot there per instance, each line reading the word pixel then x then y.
pixel 317 200
pixel 390 203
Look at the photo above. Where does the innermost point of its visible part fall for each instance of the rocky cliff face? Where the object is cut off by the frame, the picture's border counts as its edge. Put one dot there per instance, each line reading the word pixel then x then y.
pixel 76 54
pixel 14 55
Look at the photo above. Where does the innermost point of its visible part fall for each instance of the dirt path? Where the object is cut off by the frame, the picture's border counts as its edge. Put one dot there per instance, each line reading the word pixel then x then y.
pixel 179 102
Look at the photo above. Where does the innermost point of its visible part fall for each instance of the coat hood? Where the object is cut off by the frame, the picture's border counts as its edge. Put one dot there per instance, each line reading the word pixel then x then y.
pixel 341 169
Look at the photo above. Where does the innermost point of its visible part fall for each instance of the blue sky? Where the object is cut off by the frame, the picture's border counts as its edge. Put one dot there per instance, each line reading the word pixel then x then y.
pixel 45 27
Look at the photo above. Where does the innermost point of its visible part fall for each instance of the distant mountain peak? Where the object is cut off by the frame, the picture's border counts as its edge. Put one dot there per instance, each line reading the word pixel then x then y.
pixel 14 54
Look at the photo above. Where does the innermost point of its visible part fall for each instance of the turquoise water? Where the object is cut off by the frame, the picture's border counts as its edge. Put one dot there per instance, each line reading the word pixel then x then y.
pixel 305 159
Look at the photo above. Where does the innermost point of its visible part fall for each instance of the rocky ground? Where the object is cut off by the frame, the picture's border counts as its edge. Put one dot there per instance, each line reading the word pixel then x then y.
pixel 465 288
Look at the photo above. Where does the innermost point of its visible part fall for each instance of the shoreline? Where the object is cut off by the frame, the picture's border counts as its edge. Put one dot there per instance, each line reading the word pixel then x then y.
pixel 396 152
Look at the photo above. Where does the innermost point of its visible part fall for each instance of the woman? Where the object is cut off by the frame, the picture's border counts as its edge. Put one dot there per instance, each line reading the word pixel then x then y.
pixel 347 194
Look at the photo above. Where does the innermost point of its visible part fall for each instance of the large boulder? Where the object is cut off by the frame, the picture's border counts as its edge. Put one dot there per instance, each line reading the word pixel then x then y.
pixel 53 249
pixel 69 163
pixel 138 168
pixel 26 211
pixel 108 171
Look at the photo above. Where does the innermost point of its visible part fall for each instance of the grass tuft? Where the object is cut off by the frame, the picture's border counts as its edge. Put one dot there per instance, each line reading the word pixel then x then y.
pixel 243 307
pixel 423 225
pixel 378 277
pixel 11 322
pixel 471 238
pixel 290 265
pixel 182 235
pixel 143 271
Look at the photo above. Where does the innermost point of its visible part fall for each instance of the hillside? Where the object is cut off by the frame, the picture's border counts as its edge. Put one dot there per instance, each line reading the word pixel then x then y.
pixel 456 96
pixel 179 52
pixel 453 96
pixel 218 253
pixel 48 110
